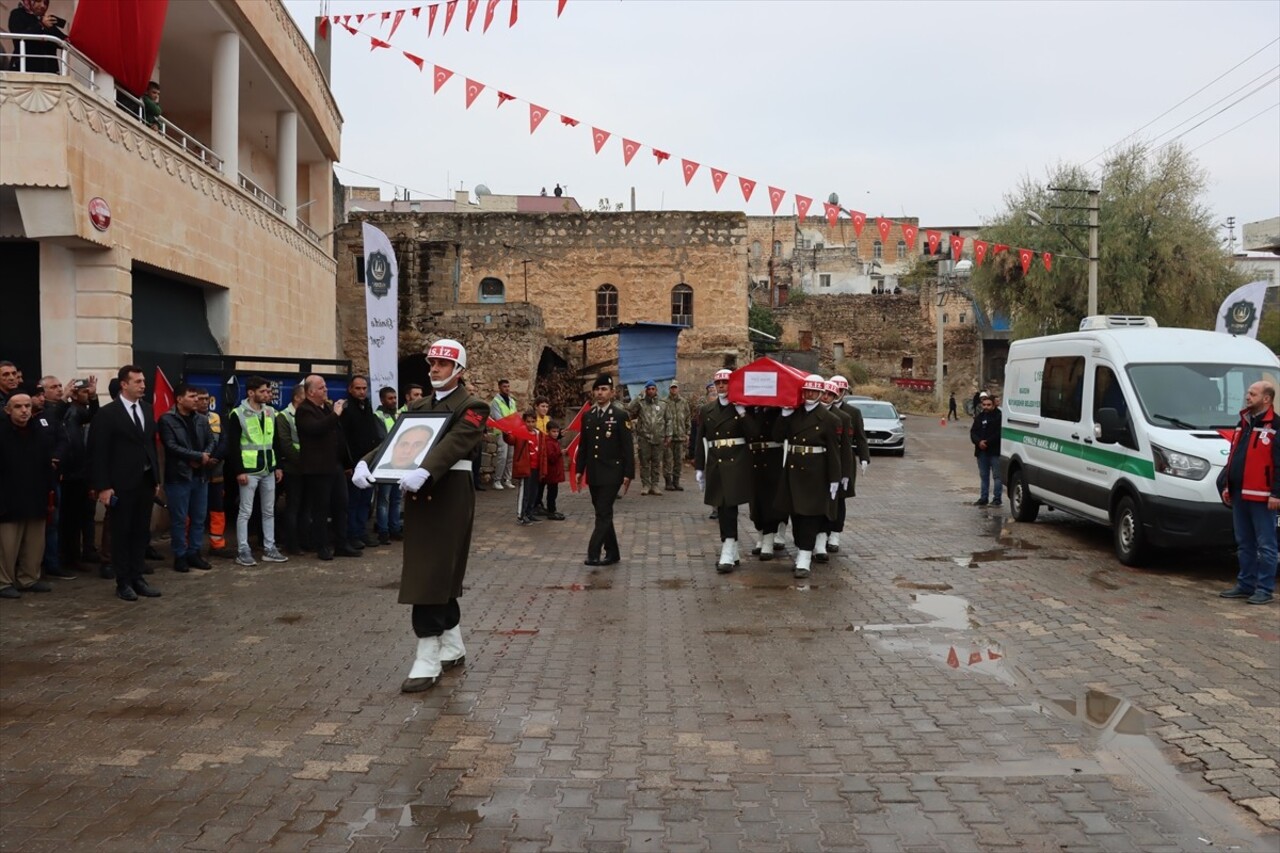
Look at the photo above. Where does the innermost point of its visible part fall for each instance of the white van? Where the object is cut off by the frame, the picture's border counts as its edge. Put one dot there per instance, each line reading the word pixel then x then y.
pixel 1127 424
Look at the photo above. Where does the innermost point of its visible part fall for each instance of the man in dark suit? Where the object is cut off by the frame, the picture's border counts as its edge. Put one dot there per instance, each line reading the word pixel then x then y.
pixel 125 472
pixel 606 458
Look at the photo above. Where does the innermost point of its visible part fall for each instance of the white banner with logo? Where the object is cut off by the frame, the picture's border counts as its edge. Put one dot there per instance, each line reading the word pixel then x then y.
pixel 1241 312
pixel 381 275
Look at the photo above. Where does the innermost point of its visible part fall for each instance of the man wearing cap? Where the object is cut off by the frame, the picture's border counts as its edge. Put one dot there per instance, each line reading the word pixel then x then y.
pixel 607 462
pixel 811 469
pixel 653 435
pixel 722 465
pixel 439 510
pixel 680 414
pixel 860 456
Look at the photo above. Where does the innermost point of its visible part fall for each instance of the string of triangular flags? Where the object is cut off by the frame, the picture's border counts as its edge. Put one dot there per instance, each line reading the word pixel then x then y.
pixel 396 16
pixel 630 147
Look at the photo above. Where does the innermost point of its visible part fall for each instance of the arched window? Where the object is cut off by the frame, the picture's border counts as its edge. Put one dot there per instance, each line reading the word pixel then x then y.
pixel 682 305
pixel 777 248
pixel 877 249
pixel 606 306
pixel 755 250
pixel 902 249
pixel 492 290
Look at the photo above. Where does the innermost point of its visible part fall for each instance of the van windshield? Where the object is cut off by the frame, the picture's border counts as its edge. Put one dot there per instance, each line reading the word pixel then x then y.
pixel 1194 396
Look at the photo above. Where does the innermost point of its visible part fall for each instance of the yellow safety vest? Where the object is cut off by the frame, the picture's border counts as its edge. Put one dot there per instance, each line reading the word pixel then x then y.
pixel 290 415
pixel 257 429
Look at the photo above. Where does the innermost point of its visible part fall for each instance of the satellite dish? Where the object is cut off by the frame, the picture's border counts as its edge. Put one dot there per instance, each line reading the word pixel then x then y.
pixel 481 189
pixel 833 199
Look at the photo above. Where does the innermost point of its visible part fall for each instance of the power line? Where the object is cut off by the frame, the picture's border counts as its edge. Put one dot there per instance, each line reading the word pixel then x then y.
pixel 388 183
pixel 1183 101
pixel 1237 127
pixel 1215 103
pixel 1218 113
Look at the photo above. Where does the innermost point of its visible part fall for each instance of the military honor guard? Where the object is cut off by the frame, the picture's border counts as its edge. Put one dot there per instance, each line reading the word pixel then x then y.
pixel 844 436
pixel 861 456
pixel 606 459
pixel 810 470
pixel 438 510
pixel 722 465
pixel 766 471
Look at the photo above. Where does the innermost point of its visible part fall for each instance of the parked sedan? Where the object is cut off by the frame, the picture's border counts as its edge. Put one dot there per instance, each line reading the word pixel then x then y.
pixel 885 430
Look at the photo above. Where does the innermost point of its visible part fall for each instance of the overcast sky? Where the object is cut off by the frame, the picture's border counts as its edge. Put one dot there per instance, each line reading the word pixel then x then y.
pixel 920 109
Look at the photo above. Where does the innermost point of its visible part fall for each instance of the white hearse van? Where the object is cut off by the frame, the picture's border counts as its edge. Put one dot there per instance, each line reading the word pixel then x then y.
pixel 1126 423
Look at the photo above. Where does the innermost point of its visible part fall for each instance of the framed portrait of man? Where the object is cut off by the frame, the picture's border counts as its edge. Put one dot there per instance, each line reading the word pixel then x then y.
pixel 407 444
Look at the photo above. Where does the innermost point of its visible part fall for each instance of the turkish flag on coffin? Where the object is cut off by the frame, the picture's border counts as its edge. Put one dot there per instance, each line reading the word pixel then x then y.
pixel 765 382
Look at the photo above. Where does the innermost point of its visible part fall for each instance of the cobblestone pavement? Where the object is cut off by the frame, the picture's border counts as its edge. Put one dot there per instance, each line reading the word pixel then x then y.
pixel 949 681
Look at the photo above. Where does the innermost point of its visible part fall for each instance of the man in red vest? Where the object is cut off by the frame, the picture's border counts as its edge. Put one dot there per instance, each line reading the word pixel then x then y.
pixel 1250 486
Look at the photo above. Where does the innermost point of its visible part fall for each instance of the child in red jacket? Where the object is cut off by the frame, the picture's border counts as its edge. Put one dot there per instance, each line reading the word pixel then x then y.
pixel 551 471
pixel 524 467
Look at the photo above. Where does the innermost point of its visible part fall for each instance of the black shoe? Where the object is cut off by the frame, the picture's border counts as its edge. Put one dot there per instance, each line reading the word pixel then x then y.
pixel 223 553
pixel 1235 592
pixel 778 546
pixel 591 561
pixel 447 665
pixel 417 685
pixel 10 591
pixel 91 556
pixel 397 537
pixel 980 502
pixel 106 572
pixel 372 541
pixel 820 557
pixel 145 589
pixel 715 513
pixel 153 554
pixel 59 572
pixel 481 489
pixel 353 545
pixel 556 516
pixel 180 565
pixel 39 586
pixel 676 487
pixel 195 561
pixel 610 560
pixel 126 593
pixel 324 554
pixel 995 503
pixel 384 538
pixel 346 552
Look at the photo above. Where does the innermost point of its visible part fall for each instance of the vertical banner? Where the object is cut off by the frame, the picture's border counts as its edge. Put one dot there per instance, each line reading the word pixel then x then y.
pixel 1241 312
pixel 381 297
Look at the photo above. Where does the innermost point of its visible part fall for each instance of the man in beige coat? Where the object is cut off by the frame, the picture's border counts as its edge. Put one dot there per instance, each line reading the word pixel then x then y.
pixel 439 509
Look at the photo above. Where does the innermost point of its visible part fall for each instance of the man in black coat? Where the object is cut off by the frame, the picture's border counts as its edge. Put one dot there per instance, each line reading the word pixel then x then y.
pixel 125 472
pixel 985 435
pixel 26 469
pixel 77 522
pixel 607 460
pixel 363 431
pixel 323 458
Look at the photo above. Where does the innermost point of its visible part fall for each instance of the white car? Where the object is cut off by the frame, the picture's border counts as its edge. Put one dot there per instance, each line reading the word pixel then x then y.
pixel 883 425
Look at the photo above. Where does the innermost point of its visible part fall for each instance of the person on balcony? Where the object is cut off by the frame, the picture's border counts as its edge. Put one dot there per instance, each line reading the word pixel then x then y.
pixel 32 17
pixel 151 111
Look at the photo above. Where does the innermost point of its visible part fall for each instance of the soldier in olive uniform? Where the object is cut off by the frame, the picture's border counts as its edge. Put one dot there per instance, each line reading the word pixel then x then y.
pixel 653 436
pixel 811 469
pixel 606 458
pixel 766 471
pixel 722 465
pixel 861 456
pixel 439 509
pixel 680 413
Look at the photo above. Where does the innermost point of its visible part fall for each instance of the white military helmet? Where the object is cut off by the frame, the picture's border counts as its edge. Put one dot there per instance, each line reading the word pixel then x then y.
pixel 832 388
pixel 841 382
pixel 814 382
pixel 722 375
pixel 448 348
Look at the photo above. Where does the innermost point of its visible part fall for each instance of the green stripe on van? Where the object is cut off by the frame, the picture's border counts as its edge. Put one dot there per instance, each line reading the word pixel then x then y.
pixel 1120 461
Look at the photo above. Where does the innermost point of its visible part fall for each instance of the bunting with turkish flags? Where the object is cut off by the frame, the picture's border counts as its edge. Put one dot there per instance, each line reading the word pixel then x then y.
pixel 803 203
pixel 599 138
pixel 1024 257
pixel 442 76
pixel 1048 261
pixel 690 169
pixel 957 246
pixel 473 91
pixel 536 115
pixel 629 149
pixel 775 197
pixel 748 186
pixel 832 211
pixel 933 239
pixel 717 178
pixel 575 427
pixel 472 6
pixel 980 250
pixel 884 226
pixel 859 221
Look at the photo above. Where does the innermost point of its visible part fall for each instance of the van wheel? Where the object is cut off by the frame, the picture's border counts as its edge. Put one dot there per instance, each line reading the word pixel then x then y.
pixel 1022 506
pixel 1126 529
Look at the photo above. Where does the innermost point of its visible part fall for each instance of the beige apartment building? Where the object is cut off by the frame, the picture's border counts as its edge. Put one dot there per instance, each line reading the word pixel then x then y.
pixel 123 242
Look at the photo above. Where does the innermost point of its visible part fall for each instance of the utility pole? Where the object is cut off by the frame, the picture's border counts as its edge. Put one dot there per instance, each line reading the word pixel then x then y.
pixel 937 356
pixel 1231 235
pixel 1093 251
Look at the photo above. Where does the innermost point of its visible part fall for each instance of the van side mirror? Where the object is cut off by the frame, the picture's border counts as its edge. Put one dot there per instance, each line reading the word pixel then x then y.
pixel 1111 427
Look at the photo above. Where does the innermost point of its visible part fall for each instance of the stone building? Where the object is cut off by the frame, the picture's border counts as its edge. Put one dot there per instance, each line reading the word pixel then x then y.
pixel 512 286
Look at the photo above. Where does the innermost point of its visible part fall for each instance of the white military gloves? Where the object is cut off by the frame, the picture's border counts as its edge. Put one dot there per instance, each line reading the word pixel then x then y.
pixel 834 488
pixel 414 480
pixel 863 465
pixel 844 483
pixel 701 478
pixel 742 410
pixel 362 478
pixel 788 411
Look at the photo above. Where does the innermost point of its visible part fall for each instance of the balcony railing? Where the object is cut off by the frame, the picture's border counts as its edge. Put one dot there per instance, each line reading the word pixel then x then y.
pixel 260 194
pixel 169 130
pixel 65 61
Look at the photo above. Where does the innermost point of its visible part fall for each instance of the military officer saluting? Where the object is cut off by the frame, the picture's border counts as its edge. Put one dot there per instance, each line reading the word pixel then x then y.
pixel 606 459
pixel 722 465
pixel 810 471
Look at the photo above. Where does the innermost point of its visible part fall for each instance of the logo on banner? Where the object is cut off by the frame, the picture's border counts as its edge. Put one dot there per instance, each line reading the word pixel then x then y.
pixel 1241 317
pixel 378 274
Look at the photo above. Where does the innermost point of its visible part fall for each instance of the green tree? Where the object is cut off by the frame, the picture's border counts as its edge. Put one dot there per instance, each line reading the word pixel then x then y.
pixel 1157 246
pixel 761 317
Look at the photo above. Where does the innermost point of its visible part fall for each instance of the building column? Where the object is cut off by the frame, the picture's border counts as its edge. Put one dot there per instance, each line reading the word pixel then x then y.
pixel 103 293
pixel 287 163
pixel 225 135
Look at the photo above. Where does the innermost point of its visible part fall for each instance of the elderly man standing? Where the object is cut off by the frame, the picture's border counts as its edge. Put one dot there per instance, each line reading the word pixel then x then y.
pixel 439 510
pixel 322 458
pixel 26 469
pixel 653 436
pixel 680 414
pixel 1249 484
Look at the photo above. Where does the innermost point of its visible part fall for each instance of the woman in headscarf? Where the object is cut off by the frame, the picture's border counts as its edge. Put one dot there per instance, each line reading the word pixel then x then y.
pixel 33 17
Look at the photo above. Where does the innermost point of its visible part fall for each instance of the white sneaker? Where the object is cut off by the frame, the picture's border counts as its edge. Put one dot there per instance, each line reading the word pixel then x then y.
pixel 498 486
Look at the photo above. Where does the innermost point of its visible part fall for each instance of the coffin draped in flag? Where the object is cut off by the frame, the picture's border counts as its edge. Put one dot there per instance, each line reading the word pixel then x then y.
pixel 381 298
pixel 765 382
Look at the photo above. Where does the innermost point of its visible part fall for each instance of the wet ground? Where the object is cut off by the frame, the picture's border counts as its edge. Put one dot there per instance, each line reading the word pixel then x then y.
pixel 949 681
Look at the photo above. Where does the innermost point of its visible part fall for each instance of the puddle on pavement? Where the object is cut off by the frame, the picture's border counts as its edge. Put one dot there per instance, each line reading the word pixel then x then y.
pixel 771 580
pixel 948 611
pixel 384 821
pixel 950 614
pixel 903 583
pixel 289 618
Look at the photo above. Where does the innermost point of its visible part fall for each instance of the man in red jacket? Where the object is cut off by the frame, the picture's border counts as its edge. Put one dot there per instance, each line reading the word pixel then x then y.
pixel 1249 486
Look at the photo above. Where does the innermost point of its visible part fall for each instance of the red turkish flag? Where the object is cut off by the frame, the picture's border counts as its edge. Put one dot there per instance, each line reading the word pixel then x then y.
pixel 1048 262
pixel 324 28
pixel 832 211
pixel 980 250
pixel 375 43
pixel 474 88
pixel 1024 257
pixel 909 232
pixel 599 137
pixel 396 23
pixel 859 221
pixel 885 226
pixel 488 14
pixel 503 97
pixel 449 9
pixel 717 178
pixel 571 451
pixel 472 6
pixel 568 122
pixel 775 197
pixel 802 206
pixel 515 10
pixel 386 16
pixel 431 17
pixel 957 246
pixel 415 11
pixel 162 399
pixel 629 149
pixel 536 115
pixel 998 248
pixel 442 76
pixel 359 19
pixel 748 187
pixel 416 60
pixel 559 8
pixel 934 239
pixel 660 155
pixel 690 169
